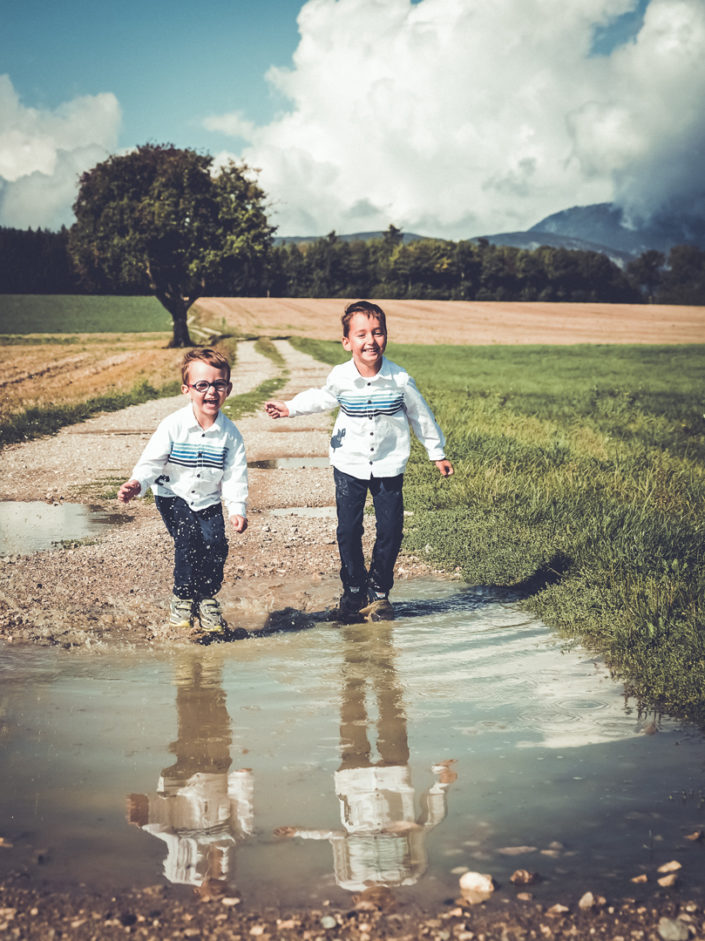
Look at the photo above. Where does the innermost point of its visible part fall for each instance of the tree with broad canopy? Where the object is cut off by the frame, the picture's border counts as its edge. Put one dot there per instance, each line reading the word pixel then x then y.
pixel 163 216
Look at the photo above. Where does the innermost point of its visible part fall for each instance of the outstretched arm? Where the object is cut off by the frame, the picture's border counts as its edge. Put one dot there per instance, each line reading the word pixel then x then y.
pixel 276 409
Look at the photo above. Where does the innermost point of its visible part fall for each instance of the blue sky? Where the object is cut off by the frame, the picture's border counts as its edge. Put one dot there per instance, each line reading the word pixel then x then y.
pixel 446 117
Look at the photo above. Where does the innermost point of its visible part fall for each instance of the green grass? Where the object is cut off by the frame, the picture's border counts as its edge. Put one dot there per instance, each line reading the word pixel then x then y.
pixel 580 481
pixel 76 313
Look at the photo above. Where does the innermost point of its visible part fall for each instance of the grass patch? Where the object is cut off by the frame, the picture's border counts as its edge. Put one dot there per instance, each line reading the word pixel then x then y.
pixel 250 402
pixel 47 420
pixel 580 480
pixel 80 313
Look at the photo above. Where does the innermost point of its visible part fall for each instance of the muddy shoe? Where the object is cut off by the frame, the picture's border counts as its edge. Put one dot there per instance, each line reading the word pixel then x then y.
pixel 180 612
pixel 211 617
pixel 347 611
pixel 379 609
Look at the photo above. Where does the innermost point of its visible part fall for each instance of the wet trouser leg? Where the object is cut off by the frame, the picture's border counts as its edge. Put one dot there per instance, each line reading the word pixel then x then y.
pixel 350 496
pixel 387 496
pixel 200 547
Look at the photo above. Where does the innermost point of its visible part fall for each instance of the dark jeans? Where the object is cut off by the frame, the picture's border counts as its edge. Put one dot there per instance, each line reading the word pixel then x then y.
pixel 200 547
pixel 350 496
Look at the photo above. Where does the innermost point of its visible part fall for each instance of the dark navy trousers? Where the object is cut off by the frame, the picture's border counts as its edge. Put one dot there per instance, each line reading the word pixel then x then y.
pixel 387 498
pixel 200 547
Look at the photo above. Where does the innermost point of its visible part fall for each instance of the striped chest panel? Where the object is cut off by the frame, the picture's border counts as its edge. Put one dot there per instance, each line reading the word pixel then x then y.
pixel 373 403
pixel 197 455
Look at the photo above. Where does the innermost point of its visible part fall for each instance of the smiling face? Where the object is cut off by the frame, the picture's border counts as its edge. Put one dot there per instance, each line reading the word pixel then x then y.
pixel 367 341
pixel 206 405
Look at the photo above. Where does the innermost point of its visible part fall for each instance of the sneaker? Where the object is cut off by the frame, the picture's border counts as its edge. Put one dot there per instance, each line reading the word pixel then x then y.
pixel 211 617
pixel 180 612
pixel 379 608
pixel 348 608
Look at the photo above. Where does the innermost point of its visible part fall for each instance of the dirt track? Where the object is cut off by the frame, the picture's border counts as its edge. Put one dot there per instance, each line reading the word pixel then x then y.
pixel 116 591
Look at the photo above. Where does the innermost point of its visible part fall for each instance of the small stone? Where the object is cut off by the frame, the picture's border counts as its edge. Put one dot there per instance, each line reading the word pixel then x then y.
pixel 516 850
pixel 673 866
pixel 524 877
pixel 642 877
pixel 476 887
pixel 328 922
pixel 586 902
pixel 673 930
pixel 695 836
pixel 558 909
pixel 667 881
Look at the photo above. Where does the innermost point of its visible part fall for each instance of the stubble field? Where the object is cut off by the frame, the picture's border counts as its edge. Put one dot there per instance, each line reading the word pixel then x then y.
pixel 52 368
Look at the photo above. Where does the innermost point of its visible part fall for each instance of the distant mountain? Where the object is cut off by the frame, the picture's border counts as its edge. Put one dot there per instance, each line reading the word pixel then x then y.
pixel 534 238
pixel 352 237
pixel 600 227
pixel 606 224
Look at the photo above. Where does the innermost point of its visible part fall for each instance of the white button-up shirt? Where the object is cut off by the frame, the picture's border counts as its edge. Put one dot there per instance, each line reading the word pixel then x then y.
pixel 201 465
pixel 371 433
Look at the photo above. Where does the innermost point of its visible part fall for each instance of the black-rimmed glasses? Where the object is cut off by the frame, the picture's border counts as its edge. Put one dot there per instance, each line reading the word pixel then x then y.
pixel 220 385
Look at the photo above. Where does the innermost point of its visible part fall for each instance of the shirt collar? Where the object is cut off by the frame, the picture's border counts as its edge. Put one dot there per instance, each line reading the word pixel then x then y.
pixel 383 371
pixel 195 426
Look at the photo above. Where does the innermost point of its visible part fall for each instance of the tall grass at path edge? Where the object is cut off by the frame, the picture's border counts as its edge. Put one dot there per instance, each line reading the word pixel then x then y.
pixel 580 481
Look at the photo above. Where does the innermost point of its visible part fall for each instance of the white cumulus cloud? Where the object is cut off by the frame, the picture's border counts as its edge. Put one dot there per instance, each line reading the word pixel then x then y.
pixel 462 117
pixel 43 152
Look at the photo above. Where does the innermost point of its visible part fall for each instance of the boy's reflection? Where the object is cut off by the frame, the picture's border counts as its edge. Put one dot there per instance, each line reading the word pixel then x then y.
pixel 382 842
pixel 200 809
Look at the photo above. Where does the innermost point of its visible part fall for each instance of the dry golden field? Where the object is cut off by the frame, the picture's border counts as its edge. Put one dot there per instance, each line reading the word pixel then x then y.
pixel 59 373
pixel 55 372
pixel 465 322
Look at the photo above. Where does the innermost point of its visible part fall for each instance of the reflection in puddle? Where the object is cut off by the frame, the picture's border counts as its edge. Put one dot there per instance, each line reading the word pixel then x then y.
pixel 290 463
pixel 382 842
pixel 298 767
pixel 201 809
pixel 34 526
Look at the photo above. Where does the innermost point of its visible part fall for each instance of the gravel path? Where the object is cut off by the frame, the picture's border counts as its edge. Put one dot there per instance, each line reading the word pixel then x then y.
pixel 117 588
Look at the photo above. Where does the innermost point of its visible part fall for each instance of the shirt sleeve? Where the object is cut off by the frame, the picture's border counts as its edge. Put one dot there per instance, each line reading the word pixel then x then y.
pixel 234 483
pixel 313 400
pixel 154 458
pixel 423 423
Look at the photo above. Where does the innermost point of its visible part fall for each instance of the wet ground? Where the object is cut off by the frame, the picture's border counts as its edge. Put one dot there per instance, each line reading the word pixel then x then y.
pixel 312 764
pixel 153 788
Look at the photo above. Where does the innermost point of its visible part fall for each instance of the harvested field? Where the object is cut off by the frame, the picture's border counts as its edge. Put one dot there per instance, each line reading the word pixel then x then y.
pixel 464 322
pixel 54 372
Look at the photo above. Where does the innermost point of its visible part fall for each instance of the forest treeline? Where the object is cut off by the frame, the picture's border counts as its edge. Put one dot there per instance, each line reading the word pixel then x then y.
pixel 38 262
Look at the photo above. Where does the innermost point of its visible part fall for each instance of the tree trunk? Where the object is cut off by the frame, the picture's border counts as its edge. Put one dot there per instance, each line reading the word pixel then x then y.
pixel 178 307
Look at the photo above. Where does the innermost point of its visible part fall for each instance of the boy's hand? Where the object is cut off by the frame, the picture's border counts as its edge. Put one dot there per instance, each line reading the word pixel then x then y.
pixel 130 489
pixel 276 409
pixel 445 467
pixel 239 523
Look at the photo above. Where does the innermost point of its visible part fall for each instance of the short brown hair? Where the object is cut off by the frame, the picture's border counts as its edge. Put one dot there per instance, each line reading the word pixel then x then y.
pixel 205 355
pixel 362 307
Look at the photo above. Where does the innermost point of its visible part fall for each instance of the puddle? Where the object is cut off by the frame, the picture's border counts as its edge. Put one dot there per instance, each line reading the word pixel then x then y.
pixel 31 527
pixel 299 766
pixel 284 463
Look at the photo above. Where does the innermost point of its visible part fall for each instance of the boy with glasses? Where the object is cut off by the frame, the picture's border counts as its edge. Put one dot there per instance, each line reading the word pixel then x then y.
pixel 195 459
